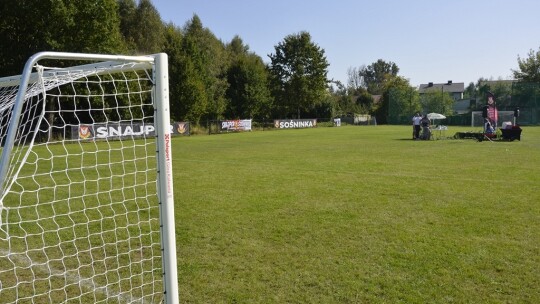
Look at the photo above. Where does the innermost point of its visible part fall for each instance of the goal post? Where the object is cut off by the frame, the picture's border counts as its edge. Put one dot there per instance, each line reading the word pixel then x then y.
pixel 477 120
pixel 86 192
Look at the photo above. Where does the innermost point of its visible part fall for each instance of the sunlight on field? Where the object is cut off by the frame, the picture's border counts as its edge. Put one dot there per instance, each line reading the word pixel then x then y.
pixel 357 215
pixel 349 214
pixel 81 224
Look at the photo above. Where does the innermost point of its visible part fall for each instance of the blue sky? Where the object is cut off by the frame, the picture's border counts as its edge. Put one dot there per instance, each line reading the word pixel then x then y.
pixel 430 41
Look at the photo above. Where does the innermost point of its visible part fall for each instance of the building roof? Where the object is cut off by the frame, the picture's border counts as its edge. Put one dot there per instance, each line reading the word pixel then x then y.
pixel 496 82
pixel 449 87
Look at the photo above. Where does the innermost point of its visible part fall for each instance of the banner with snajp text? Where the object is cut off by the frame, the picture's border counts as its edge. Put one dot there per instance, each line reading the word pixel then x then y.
pixel 122 130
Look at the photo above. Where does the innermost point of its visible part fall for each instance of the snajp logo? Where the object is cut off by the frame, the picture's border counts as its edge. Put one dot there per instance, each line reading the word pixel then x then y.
pixel 84 132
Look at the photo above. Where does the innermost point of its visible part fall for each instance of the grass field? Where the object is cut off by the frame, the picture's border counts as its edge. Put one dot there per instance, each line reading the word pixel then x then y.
pixel 357 215
pixel 80 225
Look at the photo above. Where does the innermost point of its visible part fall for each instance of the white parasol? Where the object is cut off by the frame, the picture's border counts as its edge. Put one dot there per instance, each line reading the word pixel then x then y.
pixel 433 116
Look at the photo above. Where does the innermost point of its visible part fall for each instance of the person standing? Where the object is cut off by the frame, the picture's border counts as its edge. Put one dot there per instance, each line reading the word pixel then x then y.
pixel 416 125
pixel 426 132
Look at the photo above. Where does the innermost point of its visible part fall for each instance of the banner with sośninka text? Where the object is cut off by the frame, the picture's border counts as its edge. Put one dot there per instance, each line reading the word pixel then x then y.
pixel 294 123
pixel 123 130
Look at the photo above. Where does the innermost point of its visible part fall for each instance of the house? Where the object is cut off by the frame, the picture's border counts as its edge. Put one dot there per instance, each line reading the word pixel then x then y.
pixel 454 89
pixel 464 106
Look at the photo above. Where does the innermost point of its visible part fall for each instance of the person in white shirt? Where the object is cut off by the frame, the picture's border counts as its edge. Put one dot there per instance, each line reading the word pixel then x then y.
pixel 416 125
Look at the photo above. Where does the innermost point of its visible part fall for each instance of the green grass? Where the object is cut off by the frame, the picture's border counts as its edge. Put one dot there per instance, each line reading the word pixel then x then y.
pixel 357 215
pixel 326 215
pixel 80 225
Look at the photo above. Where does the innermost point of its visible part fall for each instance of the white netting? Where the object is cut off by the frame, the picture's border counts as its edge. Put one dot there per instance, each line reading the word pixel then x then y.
pixel 79 211
pixel 478 121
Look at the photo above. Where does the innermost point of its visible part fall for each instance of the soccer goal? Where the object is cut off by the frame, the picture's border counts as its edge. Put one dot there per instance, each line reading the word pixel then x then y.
pixel 478 121
pixel 86 197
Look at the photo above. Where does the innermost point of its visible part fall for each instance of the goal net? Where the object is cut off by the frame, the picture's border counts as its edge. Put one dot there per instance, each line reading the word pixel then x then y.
pixel 503 116
pixel 86 202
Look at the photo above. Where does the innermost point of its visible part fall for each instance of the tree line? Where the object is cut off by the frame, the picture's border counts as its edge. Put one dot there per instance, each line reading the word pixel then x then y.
pixel 211 79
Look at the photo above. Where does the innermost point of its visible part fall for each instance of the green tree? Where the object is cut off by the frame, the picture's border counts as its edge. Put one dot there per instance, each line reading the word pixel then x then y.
pixel 172 46
pixel 355 81
pixel 375 75
pixel 191 101
pixel 148 28
pixel 501 89
pixel 28 27
pixel 237 48
pixel 93 27
pixel 248 94
pixel 141 26
pixel 22 36
pixel 365 102
pixel 298 72
pixel 357 92
pixel 470 91
pixel 529 68
pixel 482 87
pixel 438 102
pixel 399 101
pixel 202 80
pixel 126 13
pixel 341 99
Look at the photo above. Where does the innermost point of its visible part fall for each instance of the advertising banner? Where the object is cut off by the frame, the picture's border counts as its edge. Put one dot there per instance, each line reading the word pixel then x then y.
pixel 236 125
pixel 492 112
pixel 119 130
pixel 294 123
pixel 181 128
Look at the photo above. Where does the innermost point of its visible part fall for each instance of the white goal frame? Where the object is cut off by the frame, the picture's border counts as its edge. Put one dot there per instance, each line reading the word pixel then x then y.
pixel 478 121
pixel 21 148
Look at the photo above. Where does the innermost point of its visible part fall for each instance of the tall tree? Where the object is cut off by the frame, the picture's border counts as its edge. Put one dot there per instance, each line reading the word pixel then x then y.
pixel 126 13
pixel 438 102
pixel 203 69
pixel 501 90
pixel 192 101
pixel 141 26
pixel 248 94
pixel 375 75
pixel 355 81
pixel 172 46
pixel 93 27
pixel 399 99
pixel 470 91
pixel 299 73
pixel 341 98
pixel 148 29
pixel 365 102
pixel 28 27
pixel 529 68
pixel 22 36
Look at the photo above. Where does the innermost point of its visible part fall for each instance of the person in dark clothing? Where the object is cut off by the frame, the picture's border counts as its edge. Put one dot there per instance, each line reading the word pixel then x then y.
pixel 426 132
pixel 416 125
